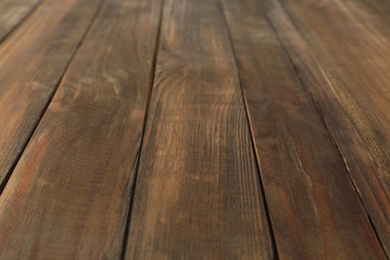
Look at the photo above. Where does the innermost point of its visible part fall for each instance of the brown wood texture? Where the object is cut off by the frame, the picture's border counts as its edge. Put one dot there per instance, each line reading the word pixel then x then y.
pixel 306 183
pixel 197 193
pixel 33 60
pixel 69 195
pixel 194 129
pixel 12 13
pixel 344 68
pixel 372 15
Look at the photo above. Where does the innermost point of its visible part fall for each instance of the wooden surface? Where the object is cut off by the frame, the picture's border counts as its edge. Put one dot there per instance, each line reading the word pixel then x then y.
pixel 302 171
pixel 33 60
pixel 351 69
pixel 197 169
pixel 194 129
pixel 86 145
pixel 12 13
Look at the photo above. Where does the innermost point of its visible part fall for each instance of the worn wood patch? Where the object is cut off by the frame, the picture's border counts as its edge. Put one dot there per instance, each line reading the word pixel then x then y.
pixel 306 183
pixel 69 194
pixel 197 194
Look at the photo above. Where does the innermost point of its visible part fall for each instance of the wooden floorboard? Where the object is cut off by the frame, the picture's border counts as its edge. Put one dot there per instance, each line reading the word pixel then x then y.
pixel 12 13
pixel 194 129
pixel 69 195
pixel 372 15
pixel 351 66
pixel 33 60
pixel 306 183
pixel 197 193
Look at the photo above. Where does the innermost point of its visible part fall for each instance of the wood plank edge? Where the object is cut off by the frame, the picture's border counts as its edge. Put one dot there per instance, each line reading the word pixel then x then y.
pixel 15 26
pixel 326 125
pixel 379 40
pixel 4 182
pixel 257 163
pixel 139 152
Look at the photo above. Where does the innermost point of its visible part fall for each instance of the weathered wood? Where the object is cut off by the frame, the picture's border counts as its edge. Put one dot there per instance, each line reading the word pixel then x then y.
pixel 12 12
pixel 306 184
pixel 197 194
pixel 69 194
pixel 346 72
pixel 32 63
pixel 372 15
pixel 314 78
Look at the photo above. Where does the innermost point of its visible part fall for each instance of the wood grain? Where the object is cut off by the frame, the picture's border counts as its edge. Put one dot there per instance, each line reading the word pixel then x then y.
pixel 345 71
pixel 32 63
pixel 372 15
pixel 12 12
pixel 68 197
pixel 197 194
pixel 307 186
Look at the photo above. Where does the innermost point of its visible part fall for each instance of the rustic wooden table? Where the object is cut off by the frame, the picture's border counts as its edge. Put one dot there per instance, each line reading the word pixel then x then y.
pixel 194 129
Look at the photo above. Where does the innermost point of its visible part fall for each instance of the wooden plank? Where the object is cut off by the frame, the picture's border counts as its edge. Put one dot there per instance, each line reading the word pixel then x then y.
pixel 12 13
pixel 69 195
pixel 197 194
pixel 372 15
pixel 306 183
pixel 32 63
pixel 345 71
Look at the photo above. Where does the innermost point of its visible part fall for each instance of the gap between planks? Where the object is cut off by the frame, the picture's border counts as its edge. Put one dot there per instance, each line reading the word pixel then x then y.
pixel 269 221
pixel 14 25
pixel 356 158
pixel 139 153
pixel 118 12
pixel 18 156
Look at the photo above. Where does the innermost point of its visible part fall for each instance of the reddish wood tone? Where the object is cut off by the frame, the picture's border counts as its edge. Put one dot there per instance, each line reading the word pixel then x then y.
pixel 69 195
pixel 345 70
pixel 33 60
pixel 12 14
pixel 197 194
pixel 152 128
pixel 306 183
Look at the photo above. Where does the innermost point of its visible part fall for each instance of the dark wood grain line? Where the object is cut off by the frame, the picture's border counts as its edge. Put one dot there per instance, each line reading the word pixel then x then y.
pixel 253 144
pixel 373 15
pixel 307 186
pixel 68 197
pixel 34 59
pixel 13 13
pixel 46 105
pixel 197 192
pixel 324 80
pixel 138 157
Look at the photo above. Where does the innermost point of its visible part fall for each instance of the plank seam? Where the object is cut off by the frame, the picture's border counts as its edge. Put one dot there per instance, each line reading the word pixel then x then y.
pixel 353 124
pixel 377 38
pixel 16 26
pixel 260 182
pixel 352 181
pixel 139 152
pixel 34 128
pixel 323 121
